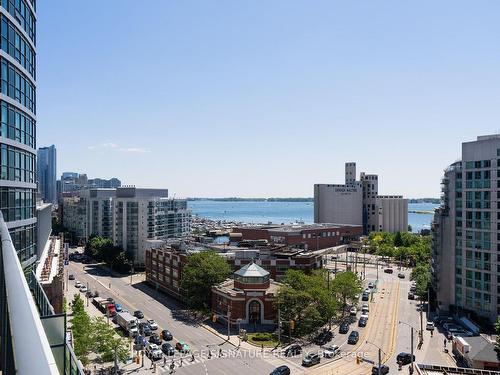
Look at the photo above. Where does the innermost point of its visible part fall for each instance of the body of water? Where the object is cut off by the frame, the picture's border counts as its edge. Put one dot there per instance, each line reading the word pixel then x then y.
pixel 285 212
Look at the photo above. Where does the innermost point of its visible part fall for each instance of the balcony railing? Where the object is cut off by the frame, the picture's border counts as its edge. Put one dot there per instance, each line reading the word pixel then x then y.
pixel 20 322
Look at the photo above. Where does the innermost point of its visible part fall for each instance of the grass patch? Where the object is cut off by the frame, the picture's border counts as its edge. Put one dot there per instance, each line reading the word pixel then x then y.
pixel 269 340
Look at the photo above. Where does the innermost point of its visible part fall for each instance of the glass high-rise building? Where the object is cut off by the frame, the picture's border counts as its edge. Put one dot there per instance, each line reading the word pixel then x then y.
pixel 18 124
pixel 46 163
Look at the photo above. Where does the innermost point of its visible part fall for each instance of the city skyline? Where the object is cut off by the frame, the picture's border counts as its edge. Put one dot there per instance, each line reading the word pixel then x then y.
pixel 257 100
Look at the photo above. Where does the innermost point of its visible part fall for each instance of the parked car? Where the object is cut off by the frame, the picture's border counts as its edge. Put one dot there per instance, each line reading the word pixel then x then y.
pixel 282 370
pixel 323 338
pixel 78 284
pixel 118 307
pixel 331 351
pixel 155 339
pixel 429 326
pixel 292 350
pixel 413 289
pixel 89 294
pixel 365 297
pixel 83 289
pixel 383 370
pixel 371 285
pixel 144 329
pixel 182 347
pixel 362 321
pixel 166 335
pixel 411 295
pixel 353 338
pixel 353 311
pixel 152 324
pixel 344 328
pixel 311 360
pixel 365 309
pixel 138 314
pixel 71 277
pixel 404 358
pixel 389 270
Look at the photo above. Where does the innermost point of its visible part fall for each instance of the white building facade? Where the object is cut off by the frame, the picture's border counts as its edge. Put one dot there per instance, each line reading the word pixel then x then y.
pixel 358 203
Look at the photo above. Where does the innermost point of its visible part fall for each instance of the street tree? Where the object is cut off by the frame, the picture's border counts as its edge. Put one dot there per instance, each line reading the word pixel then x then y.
pixel 106 342
pixel 81 327
pixel 421 274
pixel 345 288
pixel 202 271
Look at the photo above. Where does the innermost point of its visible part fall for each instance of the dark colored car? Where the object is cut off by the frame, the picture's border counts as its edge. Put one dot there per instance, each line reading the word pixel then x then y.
pixel 401 275
pixel 155 339
pixel 71 277
pixel 404 358
pixel 411 295
pixel 166 335
pixel 282 370
pixel 362 322
pixel 292 350
pixel 389 270
pixel 89 294
pixel 344 328
pixel 323 338
pixel 311 360
pixel 365 297
pixel 138 314
pixel 168 349
pixel 144 329
pixel 383 370
pixel 353 338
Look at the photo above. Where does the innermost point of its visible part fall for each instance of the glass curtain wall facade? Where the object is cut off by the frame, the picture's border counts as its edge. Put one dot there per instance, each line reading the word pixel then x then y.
pixel 18 124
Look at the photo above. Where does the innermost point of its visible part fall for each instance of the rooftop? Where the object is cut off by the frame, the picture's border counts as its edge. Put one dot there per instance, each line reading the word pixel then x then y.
pixel 252 270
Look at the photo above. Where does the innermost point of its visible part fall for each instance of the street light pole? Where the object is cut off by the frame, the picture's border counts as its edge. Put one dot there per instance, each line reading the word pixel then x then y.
pixel 412 329
pixel 379 360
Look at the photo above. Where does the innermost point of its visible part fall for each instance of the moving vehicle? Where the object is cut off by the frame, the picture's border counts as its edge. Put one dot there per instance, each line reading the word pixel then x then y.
pixel 71 277
pixel 362 321
pixel 182 347
pixel 152 324
pixel 429 326
pixel 282 370
pixel 128 323
pixel 78 284
pixel 384 370
pixel 353 311
pixel 155 339
pixel 353 338
pixel 138 314
pixel 292 350
pixel 344 328
pixel 331 351
pixel 323 338
pixel 153 352
pixel 311 360
pixel 83 289
pixel 404 358
pixel 401 275
pixel 389 270
pixel 168 349
pixel 166 335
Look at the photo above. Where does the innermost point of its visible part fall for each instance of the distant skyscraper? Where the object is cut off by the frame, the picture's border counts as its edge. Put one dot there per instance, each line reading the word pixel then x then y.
pixel 46 173
pixel 17 131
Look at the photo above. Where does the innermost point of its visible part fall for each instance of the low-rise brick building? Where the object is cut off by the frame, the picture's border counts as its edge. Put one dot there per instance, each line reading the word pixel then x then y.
pixel 247 298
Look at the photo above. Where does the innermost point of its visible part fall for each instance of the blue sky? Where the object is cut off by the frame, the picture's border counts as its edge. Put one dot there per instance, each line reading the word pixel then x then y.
pixel 265 98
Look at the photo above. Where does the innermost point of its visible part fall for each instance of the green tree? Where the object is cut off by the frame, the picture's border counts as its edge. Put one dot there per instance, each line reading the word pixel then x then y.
pixel 106 340
pixel 421 274
pixel 398 240
pixel 345 288
pixel 82 330
pixel 202 271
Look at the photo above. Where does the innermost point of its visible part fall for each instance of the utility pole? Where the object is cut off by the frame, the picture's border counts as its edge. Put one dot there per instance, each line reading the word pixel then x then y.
pixel 421 325
pixel 411 365
pixel 364 262
pixel 279 325
pixel 428 303
pixel 376 260
pixel 379 360
pixel 86 294
pixel 116 362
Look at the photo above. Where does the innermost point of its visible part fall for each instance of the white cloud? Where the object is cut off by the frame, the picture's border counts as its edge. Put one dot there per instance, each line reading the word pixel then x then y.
pixel 115 147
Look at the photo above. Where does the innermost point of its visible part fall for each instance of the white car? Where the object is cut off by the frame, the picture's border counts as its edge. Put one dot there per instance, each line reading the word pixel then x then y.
pixel 331 351
pixel 429 326
pixel 371 285
pixel 152 324
pixel 368 290
pixel 364 316
pixel 353 310
pixel 83 289
pixel 78 284
pixel 153 352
